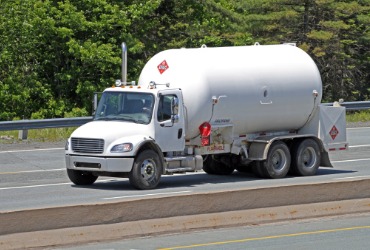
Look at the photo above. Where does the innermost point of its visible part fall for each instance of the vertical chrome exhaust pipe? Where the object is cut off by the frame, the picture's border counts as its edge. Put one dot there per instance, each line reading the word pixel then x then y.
pixel 124 63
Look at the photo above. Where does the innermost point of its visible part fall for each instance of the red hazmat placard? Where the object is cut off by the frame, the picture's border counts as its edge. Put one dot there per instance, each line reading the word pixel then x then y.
pixel 334 132
pixel 162 67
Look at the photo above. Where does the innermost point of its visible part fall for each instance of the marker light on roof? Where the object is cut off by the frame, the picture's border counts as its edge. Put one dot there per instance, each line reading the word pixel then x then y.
pixel 119 83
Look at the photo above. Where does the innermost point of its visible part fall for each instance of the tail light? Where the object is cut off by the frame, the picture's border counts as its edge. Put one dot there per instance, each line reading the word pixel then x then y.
pixel 205 133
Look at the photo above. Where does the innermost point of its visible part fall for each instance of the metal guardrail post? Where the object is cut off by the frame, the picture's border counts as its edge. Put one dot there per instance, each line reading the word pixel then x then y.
pixel 23 134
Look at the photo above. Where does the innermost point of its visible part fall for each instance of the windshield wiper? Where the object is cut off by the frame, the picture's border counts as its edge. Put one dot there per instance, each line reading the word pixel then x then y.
pixel 127 119
pixel 114 118
pixel 141 122
pixel 105 118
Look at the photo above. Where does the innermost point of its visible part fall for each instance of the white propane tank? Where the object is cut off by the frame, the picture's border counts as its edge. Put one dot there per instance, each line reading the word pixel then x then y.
pixel 256 88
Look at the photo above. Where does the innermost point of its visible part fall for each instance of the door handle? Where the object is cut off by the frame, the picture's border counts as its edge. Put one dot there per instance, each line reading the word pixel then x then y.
pixel 179 133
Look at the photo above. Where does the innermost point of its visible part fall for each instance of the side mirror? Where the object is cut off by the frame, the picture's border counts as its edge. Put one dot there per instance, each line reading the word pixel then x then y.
pixel 175 110
pixel 95 102
pixel 175 118
pixel 175 106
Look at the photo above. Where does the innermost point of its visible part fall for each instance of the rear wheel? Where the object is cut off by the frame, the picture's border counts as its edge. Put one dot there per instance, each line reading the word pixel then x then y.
pixel 258 170
pixel 147 170
pixel 81 177
pixel 211 165
pixel 277 163
pixel 245 168
pixel 306 158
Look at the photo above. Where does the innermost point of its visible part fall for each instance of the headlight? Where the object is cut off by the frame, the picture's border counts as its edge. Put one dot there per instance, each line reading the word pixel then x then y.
pixel 120 148
pixel 66 147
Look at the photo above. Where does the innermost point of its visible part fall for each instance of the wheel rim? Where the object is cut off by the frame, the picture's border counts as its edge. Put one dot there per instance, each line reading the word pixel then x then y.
pixel 148 170
pixel 309 157
pixel 279 160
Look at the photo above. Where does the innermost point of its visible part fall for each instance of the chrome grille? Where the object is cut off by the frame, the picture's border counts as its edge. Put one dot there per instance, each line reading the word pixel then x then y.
pixel 90 146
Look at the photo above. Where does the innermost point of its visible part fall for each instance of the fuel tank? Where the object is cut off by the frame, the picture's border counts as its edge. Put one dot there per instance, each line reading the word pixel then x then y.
pixel 257 88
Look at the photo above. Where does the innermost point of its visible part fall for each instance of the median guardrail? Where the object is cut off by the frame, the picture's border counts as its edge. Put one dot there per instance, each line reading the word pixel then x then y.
pixel 44 123
pixel 352 106
pixel 24 125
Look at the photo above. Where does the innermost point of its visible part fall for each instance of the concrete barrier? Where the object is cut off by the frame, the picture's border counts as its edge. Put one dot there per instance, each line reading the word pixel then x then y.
pixel 138 217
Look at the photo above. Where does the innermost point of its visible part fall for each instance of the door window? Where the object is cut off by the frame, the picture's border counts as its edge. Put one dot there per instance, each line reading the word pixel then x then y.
pixel 164 107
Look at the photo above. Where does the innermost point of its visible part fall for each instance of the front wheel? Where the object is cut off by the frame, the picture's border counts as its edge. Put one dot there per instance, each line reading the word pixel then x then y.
pixel 147 170
pixel 81 177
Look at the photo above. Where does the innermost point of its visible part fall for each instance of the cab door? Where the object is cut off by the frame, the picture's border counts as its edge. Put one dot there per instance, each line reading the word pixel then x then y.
pixel 170 121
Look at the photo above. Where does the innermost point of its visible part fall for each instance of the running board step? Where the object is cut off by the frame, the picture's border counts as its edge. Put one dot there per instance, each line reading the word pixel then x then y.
pixel 178 164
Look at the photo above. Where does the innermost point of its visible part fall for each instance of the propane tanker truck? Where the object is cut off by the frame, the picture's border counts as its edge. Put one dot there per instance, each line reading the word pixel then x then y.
pixel 250 108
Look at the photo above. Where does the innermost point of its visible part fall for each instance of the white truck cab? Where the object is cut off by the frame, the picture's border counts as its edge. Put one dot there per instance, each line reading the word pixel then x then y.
pixel 128 121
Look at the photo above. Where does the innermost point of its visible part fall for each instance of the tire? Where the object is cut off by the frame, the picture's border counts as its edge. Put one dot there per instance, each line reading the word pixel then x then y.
pixel 306 157
pixel 257 169
pixel 278 161
pixel 247 169
pixel 147 170
pixel 81 177
pixel 216 167
pixel 208 164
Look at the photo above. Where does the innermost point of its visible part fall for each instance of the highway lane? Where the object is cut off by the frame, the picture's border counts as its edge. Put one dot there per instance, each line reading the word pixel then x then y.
pixel 36 178
pixel 339 232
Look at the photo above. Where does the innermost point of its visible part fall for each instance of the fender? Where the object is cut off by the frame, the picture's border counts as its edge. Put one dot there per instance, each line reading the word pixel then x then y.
pixel 151 144
pixel 260 146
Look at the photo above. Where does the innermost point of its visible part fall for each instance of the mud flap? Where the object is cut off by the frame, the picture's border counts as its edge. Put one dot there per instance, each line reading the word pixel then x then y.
pixel 325 161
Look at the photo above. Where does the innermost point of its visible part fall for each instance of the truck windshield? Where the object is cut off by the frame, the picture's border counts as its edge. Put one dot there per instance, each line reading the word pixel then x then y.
pixel 124 106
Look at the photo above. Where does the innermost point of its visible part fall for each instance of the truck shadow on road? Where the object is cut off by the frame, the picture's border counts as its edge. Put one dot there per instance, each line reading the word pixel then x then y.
pixel 331 171
pixel 238 179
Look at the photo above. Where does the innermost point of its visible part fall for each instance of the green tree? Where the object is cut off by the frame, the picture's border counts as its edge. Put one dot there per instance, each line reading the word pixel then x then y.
pixel 20 89
pixel 337 41
pixel 54 54
pixel 334 33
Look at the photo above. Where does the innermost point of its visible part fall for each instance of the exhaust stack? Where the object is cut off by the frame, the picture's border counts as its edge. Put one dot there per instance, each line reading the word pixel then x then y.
pixel 124 63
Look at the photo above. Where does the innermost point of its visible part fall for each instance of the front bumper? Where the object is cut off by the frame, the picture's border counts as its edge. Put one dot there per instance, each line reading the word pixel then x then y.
pixel 99 164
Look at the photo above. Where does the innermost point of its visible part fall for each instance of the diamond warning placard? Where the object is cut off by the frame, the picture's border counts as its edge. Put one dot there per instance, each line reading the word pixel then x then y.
pixel 333 132
pixel 163 66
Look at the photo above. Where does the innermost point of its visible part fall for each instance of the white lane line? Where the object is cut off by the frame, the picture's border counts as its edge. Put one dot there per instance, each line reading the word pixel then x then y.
pixel 35 186
pixel 359 128
pixel 30 150
pixel 353 177
pixel 49 185
pixel 33 171
pixel 367 159
pixel 145 195
pixel 359 146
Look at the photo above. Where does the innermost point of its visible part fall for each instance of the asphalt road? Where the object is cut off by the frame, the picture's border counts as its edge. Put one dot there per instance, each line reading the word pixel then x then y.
pixel 35 177
pixel 344 232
